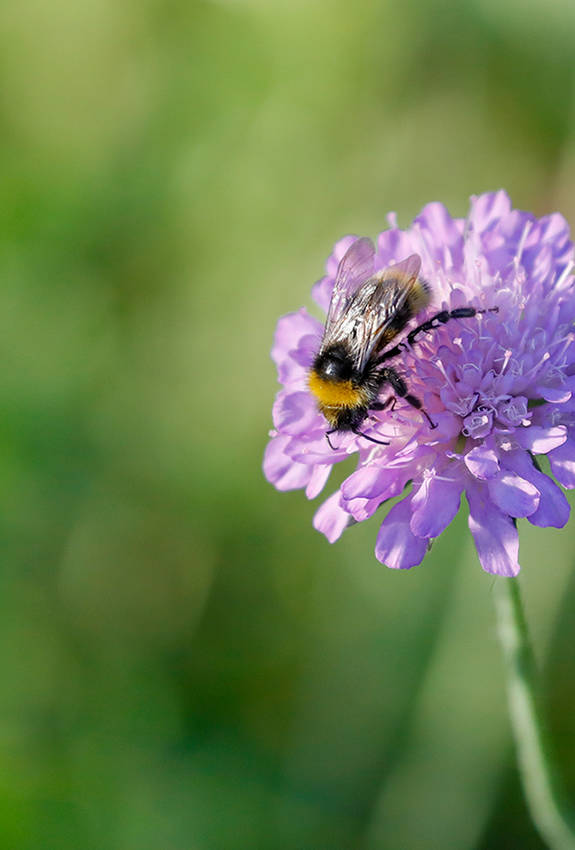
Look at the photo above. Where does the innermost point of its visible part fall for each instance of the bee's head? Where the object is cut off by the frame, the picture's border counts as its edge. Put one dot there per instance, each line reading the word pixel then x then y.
pixel 335 364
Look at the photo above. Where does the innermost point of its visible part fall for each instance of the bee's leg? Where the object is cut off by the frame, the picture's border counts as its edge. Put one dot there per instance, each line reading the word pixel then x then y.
pixel 435 322
pixel 327 435
pixel 358 433
pixel 445 316
pixel 400 389
pixel 371 439
pixel 383 405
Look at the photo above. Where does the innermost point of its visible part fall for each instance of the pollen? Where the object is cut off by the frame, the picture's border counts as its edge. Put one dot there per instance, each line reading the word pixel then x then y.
pixel 335 393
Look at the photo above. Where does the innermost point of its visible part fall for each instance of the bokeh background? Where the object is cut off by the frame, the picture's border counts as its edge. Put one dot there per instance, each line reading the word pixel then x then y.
pixel 185 664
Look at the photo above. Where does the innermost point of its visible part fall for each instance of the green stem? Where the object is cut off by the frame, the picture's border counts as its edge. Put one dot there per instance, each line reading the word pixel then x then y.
pixel 540 784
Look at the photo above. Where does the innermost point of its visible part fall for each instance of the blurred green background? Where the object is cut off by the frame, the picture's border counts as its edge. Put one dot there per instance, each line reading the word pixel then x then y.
pixel 185 663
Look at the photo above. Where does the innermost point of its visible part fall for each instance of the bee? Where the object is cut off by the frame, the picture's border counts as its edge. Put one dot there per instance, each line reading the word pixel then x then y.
pixel 368 310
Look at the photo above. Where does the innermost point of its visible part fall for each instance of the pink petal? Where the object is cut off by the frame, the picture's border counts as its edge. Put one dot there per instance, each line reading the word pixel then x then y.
pixel 397 546
pixel 540 440
pixel 482 462
pixel 362 509
pixel 289 329
pixel 513 495
pixel 495 535
pixel 367 488
pixel 447 426
pixel 295 413
pixel 439 231
pixel 434 505
pixel 393 245
pixel 553 507
pixel 283 472
pixel 304 354
pixel 371 482
pixel 321 292
pixel 554 227
pixel 313 448
pixel 562 462
pixel 331 519
pixel 487 208
pixel 554 394
pixel 318 479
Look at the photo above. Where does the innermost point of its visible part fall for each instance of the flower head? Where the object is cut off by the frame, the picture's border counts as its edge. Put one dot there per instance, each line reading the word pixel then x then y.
pixel 499 386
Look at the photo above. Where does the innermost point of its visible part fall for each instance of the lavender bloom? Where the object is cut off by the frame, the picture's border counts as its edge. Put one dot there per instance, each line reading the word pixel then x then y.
pixel 500 387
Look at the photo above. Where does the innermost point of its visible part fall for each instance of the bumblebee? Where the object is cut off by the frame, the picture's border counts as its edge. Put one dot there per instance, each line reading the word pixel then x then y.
pixel 368 310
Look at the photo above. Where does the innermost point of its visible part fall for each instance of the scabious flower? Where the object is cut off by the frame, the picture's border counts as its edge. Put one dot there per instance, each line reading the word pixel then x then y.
pixel 500 386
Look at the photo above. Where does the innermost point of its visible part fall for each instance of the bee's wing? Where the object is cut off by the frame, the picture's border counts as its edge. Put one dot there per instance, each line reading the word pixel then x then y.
pixel 397 284
pixel 407 271
pixel 371 310
pixel 355 267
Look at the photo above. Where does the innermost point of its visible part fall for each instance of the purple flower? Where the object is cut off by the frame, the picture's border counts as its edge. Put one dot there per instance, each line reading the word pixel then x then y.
pixel 500 387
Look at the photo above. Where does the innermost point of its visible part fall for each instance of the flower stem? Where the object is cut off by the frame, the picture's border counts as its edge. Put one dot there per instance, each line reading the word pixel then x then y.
pixel 545 801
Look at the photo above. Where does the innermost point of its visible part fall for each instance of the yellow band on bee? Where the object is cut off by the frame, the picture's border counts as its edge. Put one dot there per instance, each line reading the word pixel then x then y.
pixel 335 393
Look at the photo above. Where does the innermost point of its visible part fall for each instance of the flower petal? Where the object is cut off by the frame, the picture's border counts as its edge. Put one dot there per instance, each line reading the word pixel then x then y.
pixel 319 476
pixel 512 412
pixel 362 509
pixel 331 519
pixel 435 504
pixel 283 472
pixel 290 330
pixel 397 546
pixel 487 208
pixel 371 482
pixel 513 495
pixel 562 462
pixel 369 487
pixel 478 424
pixel 482 462
pixel 540 440
pixel 553 507
pixel 495 535
pixel 321 292
pixel 313 448
pixel 394 245
pixel 295 413
pixel 554 394
pixel 440 232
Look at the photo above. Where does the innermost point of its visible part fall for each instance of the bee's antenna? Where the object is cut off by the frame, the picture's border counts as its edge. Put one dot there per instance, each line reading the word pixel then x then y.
pixel 371 439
